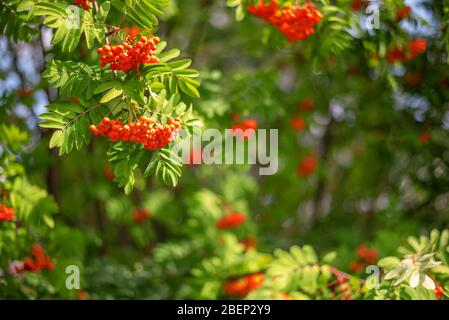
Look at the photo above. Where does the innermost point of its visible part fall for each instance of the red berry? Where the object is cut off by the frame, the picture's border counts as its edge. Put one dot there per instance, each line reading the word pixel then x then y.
pixel 395 55
pixel 298 124
pixel 439 290
pixel 358 5
pixel 424 138
pixel 355 266
pixel 141 215
pixel 369 256
pixel 245 129
pixel 249 242
pixel 6 214
pixel 231 220
pixel 242 286
pixel 307 166
pixel 416 47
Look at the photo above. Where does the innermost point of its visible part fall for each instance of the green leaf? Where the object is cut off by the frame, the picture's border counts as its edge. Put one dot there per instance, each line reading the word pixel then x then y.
pixel 69 28
pixel 143 12
pixel 329 257
pixel 169 55
pixel 49 221
pixel 188 88
pixel 90 29
pixel 72 122
pixel 66 109
pixel 151 168
pixel 188 73
pixel 180 64
pixel 166 165
pixel 157 86
pixel 107 85
pixel 104 11
pixel 53 117
pixel 133 89
pixel 74 79
pixel 51 124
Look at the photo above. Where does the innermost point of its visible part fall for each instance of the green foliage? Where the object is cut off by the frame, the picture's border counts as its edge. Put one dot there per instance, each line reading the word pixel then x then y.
pixel 12 138
pixel 71 122
pixel 334 31
pixel 125 158
pixel 85 82
pixel 14 23
pixel 296 272
pixel 34 208
pixel 172 76
pixel 70 24
pixel 423 260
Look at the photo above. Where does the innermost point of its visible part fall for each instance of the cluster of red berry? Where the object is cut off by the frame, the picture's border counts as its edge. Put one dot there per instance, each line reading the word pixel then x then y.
pixel 141 215
pixel 295 22
pixel 242 286
pixel 6 214
pixel 231 220
pixel 129 54
pixel 36 262
pixel 83 3
pixel 369 256
pixel 147 131
pixel 403 13
pixel 244 129
pixel 307 166
pixel 365 257
pixel 414 48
